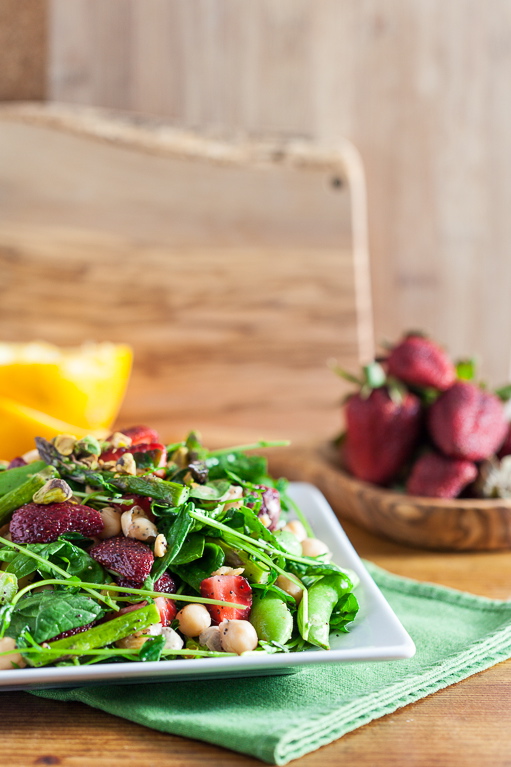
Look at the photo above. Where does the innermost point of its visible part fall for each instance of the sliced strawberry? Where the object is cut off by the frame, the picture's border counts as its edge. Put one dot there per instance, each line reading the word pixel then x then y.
pixel 127 557
pixel 166 584
pixel 19 461
pixel 43 523
pixel 167 609
pixel 141 434
pixel 227 588
pixel 72 632
pixel 147 456
pixel 139 500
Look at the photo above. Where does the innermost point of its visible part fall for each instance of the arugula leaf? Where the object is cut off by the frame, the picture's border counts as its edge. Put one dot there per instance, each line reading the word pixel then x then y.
pixel 212 491
pixel 61 553
pixel 49 613
pixel 251 468
pixel 344 612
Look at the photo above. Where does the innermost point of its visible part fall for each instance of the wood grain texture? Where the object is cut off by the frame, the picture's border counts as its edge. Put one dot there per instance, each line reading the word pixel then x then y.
pixel 236 283
pixel 420 88
pixel 429 523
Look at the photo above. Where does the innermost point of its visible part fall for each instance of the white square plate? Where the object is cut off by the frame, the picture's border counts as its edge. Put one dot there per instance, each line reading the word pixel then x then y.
pixel 376 633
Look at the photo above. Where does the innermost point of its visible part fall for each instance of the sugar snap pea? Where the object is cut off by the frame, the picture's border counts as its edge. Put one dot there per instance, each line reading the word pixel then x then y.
pixel 271 618
pixel 323 596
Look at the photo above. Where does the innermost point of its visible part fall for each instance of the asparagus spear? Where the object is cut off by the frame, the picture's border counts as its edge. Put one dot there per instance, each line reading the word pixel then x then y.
pixel 172 493
pixel 98 636
pixel 24 493
pixel 10 479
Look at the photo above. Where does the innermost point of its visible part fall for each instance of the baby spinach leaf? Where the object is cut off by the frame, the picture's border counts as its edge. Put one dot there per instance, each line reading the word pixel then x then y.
pixel 62 553
pixel 49 613
pixel 78 563
pixel 22 565
pixel 192 549
pixel 195 572
pixel 152 649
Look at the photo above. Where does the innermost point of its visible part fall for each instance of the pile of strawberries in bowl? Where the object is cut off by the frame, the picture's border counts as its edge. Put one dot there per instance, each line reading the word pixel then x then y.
pixel 422 424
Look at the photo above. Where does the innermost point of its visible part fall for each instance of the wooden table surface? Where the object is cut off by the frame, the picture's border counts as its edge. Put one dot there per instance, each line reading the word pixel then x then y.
pixel 466 724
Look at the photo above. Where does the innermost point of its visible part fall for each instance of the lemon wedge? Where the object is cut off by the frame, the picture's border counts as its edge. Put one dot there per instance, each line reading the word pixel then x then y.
pixel 20 425
pixel 83 386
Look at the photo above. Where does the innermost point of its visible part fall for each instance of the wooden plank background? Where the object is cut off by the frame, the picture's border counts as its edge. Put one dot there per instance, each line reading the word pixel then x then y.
pixel 422 87
pixel 234 284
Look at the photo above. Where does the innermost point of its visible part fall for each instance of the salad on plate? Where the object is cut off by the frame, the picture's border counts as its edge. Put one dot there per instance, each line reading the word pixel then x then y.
pixel 129 549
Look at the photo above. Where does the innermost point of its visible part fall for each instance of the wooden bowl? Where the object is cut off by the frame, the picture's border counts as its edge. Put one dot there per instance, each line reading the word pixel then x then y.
pixel 468 524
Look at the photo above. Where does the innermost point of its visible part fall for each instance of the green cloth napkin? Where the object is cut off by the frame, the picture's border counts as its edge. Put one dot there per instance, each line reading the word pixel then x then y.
pixel 281 718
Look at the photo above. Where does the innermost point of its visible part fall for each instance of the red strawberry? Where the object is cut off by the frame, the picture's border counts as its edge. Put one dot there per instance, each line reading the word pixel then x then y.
pixel 139 500
pixel 227 588
pixel 467 422
pixel 436 476
pixel 166 584
pixel 420 362
pixel 124 556
pixel 140 434
pixel 19 461
pixel 71 632
pixel 380 434
pixel 270 505
pixel 146 456
pixel 38 523
pixel 167 609
pixel 505 448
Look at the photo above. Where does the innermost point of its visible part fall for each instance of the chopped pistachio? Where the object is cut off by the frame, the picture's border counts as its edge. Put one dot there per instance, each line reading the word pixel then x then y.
pixel 118 439
pixel 54 491
pixel 126 464
pixel 88 445
pixel 64 443
pixel 90 461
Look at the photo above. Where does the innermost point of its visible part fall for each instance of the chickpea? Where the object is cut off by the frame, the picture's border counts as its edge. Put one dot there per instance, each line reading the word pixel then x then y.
pixel 233 497
pixel 136 525
pixel 172 639
pixel 313 547
pixel 238 636
pixel 136 640
pixel 111 522
pixel 6 661
pixel 193 619
pixel 211 638
pixel 290 587
pixel 298 530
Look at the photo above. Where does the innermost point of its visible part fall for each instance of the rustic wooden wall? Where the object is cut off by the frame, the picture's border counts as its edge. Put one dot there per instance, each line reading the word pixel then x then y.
pixel 234 281
pixel 422 87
